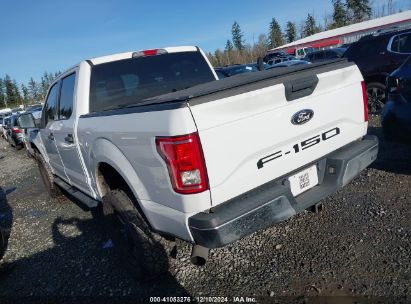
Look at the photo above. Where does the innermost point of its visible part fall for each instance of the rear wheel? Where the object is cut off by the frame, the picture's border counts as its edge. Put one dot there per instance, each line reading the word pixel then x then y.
pixel 375 97
pixel 145 254
pixel 47 177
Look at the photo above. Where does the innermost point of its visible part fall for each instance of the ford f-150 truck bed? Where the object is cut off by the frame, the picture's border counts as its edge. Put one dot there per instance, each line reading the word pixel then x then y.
pixel 155 135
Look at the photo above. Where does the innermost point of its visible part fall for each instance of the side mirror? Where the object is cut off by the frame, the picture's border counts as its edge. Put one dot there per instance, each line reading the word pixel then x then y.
pixel 26 121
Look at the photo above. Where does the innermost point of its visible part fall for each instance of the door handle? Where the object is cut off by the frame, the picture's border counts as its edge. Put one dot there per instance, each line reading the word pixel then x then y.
pixel 69 138
pixel 51 136
pixel 300 87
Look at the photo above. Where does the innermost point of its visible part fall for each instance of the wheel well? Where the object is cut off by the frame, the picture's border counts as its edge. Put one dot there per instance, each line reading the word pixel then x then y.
pixel 376 78
pixel 108 178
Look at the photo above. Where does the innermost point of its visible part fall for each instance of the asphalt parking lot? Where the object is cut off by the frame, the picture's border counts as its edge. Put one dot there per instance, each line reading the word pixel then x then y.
pixel 358 246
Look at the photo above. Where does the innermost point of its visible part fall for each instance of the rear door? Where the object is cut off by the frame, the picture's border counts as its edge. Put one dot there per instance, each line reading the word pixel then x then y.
pixel 65 136
pixel 256 133
pixel 51 125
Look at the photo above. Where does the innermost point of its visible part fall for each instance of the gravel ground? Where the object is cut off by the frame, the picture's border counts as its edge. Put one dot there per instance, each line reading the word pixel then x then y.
pixel 358 246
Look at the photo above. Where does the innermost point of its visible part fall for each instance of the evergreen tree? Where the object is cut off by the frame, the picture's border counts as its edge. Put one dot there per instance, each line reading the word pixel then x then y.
pixel 275 34
pixel 301 27
pixel 339 14
pixel 228 46
pixel 238 35
pixel 358 10
pixel 290 32
pixel 11 92
pixel 16 91
pixel 46 80
pixel 310 27
pixel 2 93
pixel 33 89
pixel 26 96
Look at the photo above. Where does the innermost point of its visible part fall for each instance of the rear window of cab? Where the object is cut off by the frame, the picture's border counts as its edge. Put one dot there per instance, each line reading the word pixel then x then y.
pixel 126 82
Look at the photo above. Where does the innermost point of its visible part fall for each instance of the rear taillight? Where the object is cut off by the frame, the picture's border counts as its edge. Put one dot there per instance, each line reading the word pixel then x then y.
pixel 185 162
pixel 15 130
pixel 151 52
pixel 364 101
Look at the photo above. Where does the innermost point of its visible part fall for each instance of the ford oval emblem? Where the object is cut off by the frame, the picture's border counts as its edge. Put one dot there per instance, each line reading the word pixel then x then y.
pixel 301 117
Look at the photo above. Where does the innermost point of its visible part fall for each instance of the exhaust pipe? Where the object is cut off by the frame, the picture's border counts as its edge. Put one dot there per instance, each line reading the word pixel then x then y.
pixel 199 255
pixel 317 208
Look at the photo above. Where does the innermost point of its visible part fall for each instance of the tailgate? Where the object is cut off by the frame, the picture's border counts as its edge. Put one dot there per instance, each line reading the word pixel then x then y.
pixel 257 132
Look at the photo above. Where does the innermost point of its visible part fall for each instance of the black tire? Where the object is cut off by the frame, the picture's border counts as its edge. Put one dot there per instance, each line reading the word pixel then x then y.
pixel 144 253
pixel 47 177
pixel 376 97
pixel 19 146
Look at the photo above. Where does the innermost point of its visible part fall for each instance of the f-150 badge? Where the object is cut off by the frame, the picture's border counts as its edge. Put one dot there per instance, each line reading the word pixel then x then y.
pixel 301 117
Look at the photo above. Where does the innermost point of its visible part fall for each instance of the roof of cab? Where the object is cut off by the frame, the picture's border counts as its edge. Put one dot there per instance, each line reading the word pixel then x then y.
pixel 125 55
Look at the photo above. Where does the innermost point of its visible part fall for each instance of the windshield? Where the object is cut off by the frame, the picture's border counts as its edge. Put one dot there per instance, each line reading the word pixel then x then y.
pixel 121 83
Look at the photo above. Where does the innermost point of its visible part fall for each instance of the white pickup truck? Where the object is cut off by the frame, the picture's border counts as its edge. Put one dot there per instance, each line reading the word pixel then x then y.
pixel 169 152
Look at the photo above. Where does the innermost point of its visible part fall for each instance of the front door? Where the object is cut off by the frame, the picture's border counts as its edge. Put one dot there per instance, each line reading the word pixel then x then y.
pixel 51 124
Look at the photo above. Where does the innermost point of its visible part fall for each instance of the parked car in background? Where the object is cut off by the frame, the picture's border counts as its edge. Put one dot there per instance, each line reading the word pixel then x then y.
pixel 302 52
pixel 274 55
pixel 287 64
pixel 3 113
pixel 322 55
pixel 30 134
pixel 396 114
pixel 15 135
pixel 220 73
pixel 5 126
pixel 17 110
pixel 377 56
pixel 232 70
pixel 280 59
pixel 33 108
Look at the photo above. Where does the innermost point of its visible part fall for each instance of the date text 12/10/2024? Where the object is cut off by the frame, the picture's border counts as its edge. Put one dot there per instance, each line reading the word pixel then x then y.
pixel 239 299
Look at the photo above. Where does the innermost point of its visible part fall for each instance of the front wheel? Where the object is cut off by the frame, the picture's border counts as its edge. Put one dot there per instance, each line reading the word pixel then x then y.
pixel 47 177
pixel 144 252
pixel 19 146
